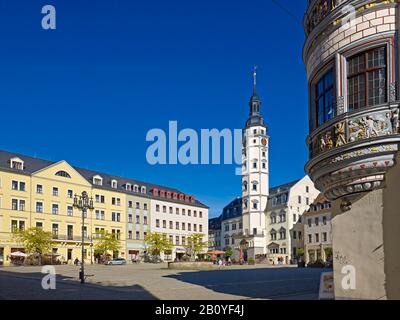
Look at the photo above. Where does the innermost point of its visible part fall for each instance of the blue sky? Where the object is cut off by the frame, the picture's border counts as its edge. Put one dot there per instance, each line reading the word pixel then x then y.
pixel 89 91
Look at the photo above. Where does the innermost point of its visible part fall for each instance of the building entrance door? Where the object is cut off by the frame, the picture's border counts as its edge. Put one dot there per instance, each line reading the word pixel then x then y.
pixel 69 254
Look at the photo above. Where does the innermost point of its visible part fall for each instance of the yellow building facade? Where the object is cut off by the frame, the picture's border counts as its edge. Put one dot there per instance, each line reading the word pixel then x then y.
pixel 44 198
pixel 40 193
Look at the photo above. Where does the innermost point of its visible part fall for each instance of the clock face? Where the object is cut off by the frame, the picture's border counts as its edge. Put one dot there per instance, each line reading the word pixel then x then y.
pixel 264 141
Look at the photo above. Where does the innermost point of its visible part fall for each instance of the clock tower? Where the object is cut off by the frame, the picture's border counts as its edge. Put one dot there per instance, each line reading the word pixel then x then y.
pixel 255 179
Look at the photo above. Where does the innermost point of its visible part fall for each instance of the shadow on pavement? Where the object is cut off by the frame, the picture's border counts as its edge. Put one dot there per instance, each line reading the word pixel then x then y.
pixel 28 286
pixel 268 283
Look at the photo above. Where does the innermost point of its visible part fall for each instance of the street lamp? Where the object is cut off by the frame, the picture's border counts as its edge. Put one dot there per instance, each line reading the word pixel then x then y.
pixel 83 202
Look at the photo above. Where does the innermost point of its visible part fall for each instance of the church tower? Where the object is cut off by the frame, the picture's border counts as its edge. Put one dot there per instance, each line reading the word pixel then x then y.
pixel 255 177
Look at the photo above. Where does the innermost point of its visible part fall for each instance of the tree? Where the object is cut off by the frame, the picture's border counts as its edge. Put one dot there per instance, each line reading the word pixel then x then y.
pixel 105 242
pixel 328 253
pixel 228 252
pixel 300 253
pixel 195 245
pixel 34 240
pixel 157 243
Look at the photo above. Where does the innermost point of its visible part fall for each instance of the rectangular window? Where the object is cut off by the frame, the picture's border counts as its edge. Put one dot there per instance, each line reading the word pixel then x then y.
pixel 200 228
pixel 138 219
pixel 70 194
pixel 170 210
pixel 39 225
pixel 324 98
pixel 145 206
pixel 177 225
pixel 157 223
pixel 171 225
pixel 200 214
pixel 14 185
pixel 70 211
pixel 14 204
pixel 325 236
pixel 55 192
pixel 130 234
pixel 39 188
pixel 324 220
pixel 177 240
pixel 39 207
pixel 177 210
pixel 137 205
pixel 366 80
pixel 183 226
pixel 54 230
pixel 145 221
pixel 157 208
pixel 21 205
pixel 137 235
pixel 309 238
pixel 316 237
pixel 54 209
pixel 164 224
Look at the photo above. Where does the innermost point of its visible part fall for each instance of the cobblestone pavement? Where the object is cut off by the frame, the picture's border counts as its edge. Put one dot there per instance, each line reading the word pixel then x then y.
pixel 150 281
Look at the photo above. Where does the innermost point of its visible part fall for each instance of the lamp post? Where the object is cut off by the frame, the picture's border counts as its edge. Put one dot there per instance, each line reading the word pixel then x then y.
pixel 83 202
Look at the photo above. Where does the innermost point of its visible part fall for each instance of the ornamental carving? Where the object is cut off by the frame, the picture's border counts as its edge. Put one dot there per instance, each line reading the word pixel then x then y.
pixel 395 121
pixel 320 11
pixel 340 134
pixel 326 141
pixel 369 126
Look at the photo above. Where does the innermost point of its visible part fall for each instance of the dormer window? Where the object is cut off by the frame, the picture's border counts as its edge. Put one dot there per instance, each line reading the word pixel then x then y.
pixel 63 174
pixel 17 163
pixel 143 190
pixel 136 188
pixel 114 184
pixel 97 180
pixel 128 187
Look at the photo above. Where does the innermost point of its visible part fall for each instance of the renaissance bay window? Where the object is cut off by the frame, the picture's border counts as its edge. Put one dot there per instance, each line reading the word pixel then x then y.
pixel 324 98
pixel 366 79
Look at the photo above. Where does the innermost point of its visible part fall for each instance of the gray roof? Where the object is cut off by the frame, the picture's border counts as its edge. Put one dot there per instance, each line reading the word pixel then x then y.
pixel 32 165
pixel 282 188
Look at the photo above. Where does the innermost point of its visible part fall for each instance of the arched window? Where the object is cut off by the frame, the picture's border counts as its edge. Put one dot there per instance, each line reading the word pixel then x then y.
pixel 63 174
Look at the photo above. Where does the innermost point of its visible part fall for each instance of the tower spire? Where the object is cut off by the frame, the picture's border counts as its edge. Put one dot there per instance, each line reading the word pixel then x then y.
pixel 255 80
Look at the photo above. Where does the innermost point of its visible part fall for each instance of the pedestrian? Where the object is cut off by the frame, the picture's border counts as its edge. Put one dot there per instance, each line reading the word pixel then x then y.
pixel 76 261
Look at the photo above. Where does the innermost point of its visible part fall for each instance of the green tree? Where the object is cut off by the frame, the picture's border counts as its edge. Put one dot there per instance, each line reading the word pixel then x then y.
pixel 105 242
pixel 328 253
pixel 35 241
pixel 157 243
pixel 195 245
pixel 228 252
pixel 300 254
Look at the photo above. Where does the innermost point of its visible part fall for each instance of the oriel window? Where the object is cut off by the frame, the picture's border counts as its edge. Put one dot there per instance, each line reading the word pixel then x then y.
pixel 325 98
pixel 366 80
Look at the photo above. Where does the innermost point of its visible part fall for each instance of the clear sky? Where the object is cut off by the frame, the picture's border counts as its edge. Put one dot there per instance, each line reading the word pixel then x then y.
pixel 89 91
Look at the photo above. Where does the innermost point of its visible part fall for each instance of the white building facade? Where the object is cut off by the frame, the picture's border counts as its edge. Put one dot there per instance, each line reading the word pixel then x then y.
pixel 177 216
pixel 284 212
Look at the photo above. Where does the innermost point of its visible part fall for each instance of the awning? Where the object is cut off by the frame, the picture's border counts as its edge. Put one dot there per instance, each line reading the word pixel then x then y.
pixel 18 254
pixel 180 250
